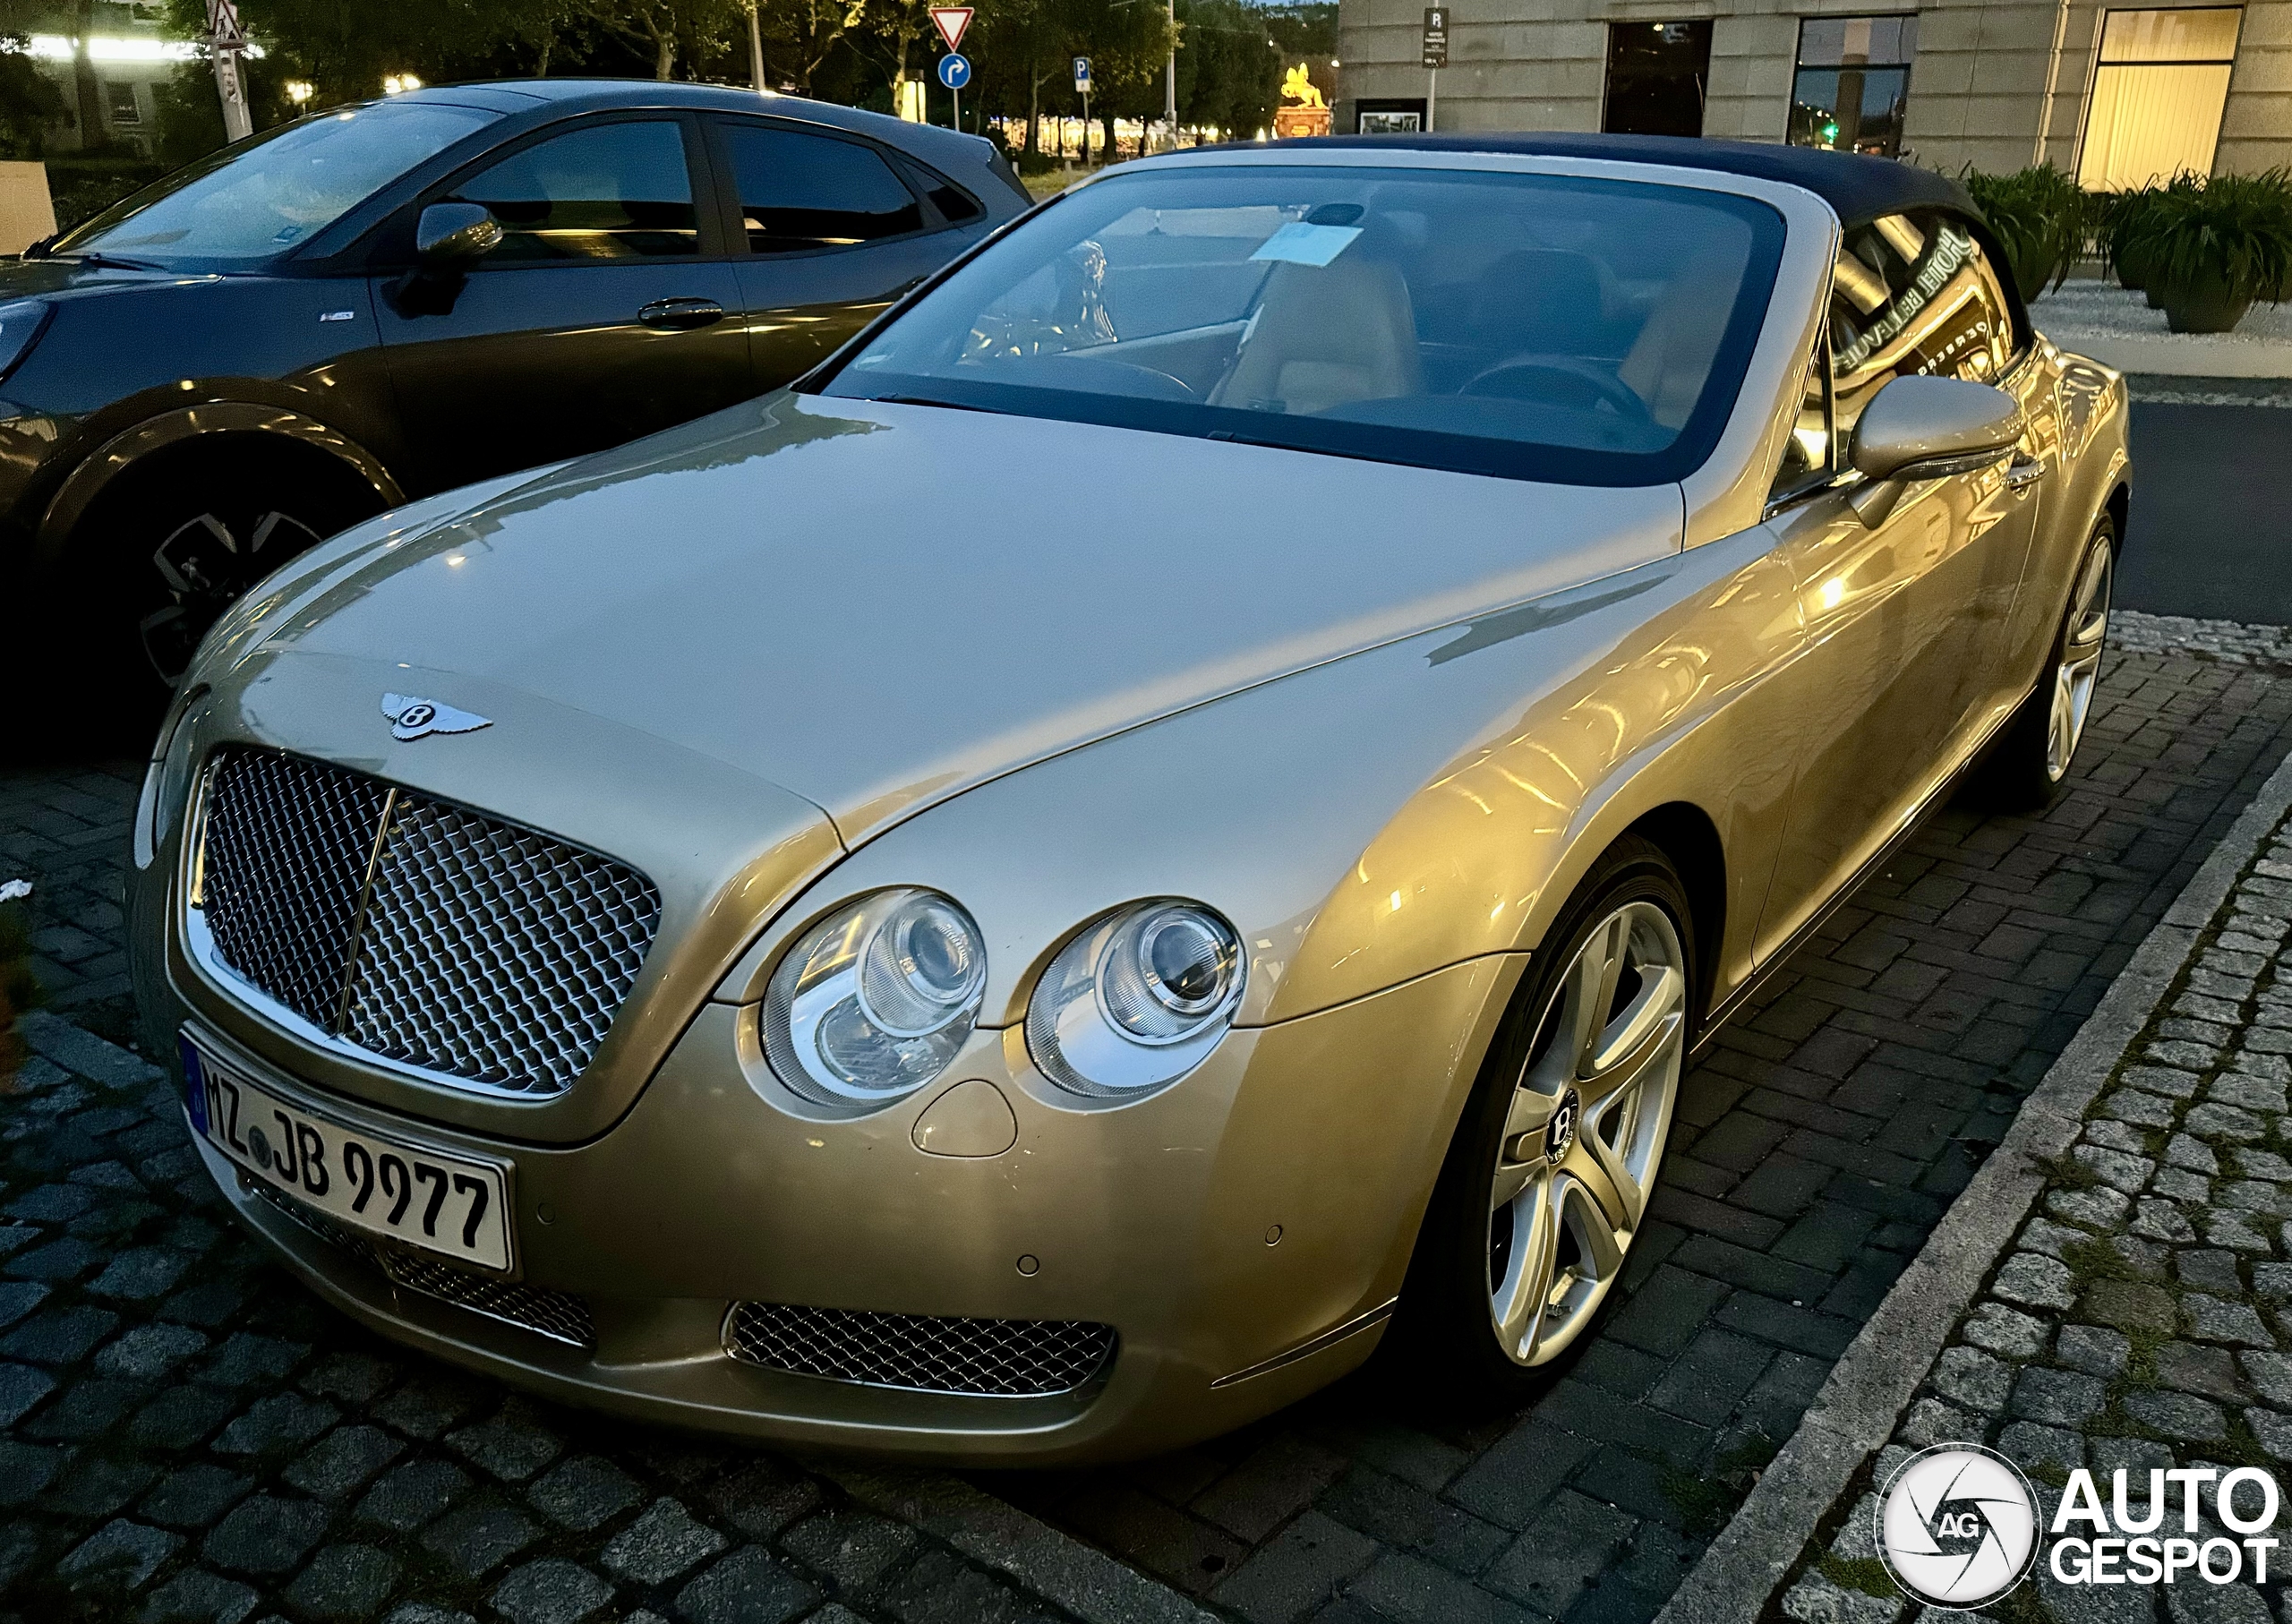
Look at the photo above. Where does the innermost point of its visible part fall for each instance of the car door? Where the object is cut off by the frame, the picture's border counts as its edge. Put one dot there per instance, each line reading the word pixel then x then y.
pixel 608 310
pixel 835 228
pixel 1905 619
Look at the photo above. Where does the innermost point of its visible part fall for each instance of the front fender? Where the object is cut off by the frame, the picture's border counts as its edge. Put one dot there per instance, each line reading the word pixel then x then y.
pixel 95 472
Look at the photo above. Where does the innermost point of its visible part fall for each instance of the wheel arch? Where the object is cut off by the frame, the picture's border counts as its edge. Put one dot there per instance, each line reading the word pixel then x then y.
pixel 1686 833
pixel 138 452
pixel 2118 506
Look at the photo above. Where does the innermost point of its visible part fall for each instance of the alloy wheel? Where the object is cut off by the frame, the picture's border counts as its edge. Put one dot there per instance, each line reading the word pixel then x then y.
pixel 2080 666
pixel 206 564
pixel 1585 1132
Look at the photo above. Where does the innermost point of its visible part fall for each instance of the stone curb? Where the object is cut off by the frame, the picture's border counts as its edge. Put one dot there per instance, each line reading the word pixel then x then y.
pixel 1086 1582
pixel 1859 1407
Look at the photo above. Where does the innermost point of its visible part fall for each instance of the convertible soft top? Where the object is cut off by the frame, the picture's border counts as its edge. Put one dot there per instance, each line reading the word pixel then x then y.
pixel 1857 188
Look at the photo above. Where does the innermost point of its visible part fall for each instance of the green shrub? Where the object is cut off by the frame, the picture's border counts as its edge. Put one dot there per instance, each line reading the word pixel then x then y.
pixel 84 187
pixel 2041 221
pixel 2206 250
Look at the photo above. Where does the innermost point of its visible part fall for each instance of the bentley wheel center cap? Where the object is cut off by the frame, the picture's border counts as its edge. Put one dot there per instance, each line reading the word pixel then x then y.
pixel 1559 1132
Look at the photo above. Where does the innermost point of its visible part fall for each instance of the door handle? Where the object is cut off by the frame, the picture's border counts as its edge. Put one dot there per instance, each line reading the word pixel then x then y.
pixel 2024 474
pixel 681 313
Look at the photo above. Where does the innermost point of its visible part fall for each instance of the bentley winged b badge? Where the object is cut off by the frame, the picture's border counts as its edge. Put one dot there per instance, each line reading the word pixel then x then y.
pixel 411 718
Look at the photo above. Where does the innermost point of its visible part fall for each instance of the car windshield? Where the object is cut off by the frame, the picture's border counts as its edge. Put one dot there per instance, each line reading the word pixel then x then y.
pixel 1529 325
pixel 255 203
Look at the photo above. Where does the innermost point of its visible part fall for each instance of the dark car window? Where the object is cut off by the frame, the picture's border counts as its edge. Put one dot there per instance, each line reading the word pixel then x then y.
pixel 607 191
pixel 270 196
pixel 1913 294
pixel 1536 327
pixel 801 192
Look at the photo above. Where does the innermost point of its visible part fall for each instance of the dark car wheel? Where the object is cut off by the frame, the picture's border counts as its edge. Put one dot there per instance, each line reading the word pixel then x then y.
pixel 2024 769
pixel 1547 1181
pixel 180 550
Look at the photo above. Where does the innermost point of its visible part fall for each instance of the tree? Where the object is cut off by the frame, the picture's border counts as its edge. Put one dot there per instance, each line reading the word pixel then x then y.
pixel 29 100
pixel 1230 70
pixel 801 35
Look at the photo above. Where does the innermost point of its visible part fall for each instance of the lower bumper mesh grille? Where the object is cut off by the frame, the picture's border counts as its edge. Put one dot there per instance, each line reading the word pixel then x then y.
pixel 558 1315
pixel 997 1358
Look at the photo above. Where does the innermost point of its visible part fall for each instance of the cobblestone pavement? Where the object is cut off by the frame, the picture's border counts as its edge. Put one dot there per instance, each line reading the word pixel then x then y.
pixel 183 1423
pixel 2140 1322
pixel 2232 641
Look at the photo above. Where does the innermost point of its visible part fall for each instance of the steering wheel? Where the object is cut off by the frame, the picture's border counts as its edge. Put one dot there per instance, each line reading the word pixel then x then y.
pixel 1603 387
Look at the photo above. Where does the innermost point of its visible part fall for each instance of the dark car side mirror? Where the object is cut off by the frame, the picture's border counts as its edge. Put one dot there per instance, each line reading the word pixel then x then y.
pixel 449 235
pixel 1924 428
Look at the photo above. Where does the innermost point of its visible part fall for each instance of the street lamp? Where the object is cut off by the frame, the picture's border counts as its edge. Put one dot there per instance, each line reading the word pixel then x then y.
pixel 395 84
pixel 299 91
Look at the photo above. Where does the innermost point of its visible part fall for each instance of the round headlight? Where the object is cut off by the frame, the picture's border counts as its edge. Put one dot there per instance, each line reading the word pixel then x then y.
pixel 1136 1001
pixel 873 1002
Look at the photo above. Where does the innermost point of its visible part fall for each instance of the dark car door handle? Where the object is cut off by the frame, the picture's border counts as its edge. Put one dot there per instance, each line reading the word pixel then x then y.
pixel 681 312
pixel 2024 473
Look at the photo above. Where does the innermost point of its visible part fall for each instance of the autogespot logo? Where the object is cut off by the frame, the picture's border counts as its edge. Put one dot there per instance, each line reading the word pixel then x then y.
pixel 1958 1528
pixel 1957 1525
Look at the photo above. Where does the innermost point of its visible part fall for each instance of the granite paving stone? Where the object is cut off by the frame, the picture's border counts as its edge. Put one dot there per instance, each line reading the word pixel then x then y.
pixel 302 1468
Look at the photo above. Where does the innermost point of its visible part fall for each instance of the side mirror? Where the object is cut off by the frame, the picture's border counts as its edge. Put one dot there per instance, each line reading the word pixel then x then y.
pixel 452 235
pixel 1924 428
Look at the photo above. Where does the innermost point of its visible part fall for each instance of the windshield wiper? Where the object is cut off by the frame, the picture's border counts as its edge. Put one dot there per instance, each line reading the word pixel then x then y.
pixel 952 406
pixel 108 261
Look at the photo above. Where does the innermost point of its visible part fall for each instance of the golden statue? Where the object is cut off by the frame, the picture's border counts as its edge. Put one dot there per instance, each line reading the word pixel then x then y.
pixel 1298 87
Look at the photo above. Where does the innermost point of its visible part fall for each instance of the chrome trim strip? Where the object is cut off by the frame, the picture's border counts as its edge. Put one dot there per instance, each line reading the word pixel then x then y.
pixel 366 905
pixel 1306 1349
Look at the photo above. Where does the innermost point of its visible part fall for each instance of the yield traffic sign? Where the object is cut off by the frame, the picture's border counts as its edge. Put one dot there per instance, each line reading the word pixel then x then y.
pixel 952 20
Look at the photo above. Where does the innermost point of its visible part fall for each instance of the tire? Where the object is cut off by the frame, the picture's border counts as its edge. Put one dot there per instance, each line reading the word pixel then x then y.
pixel 1570 1119
pixel 2026 766
pixel 161 558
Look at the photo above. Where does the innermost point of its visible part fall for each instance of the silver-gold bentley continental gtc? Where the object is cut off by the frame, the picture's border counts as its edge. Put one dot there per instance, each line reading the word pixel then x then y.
pixel 1171 814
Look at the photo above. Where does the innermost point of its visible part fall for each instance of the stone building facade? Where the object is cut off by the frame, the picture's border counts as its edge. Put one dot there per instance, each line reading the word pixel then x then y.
pixel 2116 94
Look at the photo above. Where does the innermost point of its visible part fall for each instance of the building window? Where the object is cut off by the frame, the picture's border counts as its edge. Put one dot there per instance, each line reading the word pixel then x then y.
pixel 120 99
pixel 1393 115
pixel 2158 91
pixel 1657 76
pixel 1852 84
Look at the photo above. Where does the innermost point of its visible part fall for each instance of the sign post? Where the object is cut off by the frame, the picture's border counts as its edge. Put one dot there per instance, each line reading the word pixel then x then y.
pixel 1435 55
pixel 227 41
pixel 954 72
pixel 1082 86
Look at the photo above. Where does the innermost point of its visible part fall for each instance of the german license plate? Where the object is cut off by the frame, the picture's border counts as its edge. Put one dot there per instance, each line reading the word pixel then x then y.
pixel 366 1181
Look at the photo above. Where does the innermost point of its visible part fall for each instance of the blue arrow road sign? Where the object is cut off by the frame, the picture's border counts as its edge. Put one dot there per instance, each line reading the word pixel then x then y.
pixel 954 69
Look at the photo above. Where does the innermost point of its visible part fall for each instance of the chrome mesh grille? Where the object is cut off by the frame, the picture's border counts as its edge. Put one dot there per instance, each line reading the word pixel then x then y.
pixel 997 1358
pixel 287 848
pixel 415 929
pixel 558 1315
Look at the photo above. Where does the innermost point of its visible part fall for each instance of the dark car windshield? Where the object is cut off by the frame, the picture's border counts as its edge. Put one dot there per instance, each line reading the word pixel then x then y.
pixel 1531 326
pixel 266 198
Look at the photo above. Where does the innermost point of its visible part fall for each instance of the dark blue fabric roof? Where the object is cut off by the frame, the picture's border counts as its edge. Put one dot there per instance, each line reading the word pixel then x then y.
pixel 1857 188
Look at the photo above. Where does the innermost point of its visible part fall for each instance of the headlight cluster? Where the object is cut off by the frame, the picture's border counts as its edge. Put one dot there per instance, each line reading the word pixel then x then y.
pixel 874 1001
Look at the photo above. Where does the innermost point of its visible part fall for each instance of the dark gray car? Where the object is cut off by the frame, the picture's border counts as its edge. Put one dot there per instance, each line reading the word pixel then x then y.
pixel 384 301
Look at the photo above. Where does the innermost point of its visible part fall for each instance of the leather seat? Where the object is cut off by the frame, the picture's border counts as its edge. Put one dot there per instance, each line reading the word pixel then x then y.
pixel 1326 336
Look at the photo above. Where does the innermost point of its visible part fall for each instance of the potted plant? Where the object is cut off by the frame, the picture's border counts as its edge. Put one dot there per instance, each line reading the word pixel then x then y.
pixel 2206 250
pixel 2040 219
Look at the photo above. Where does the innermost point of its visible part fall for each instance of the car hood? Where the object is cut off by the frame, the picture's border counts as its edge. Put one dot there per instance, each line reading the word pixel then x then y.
pixel 875 606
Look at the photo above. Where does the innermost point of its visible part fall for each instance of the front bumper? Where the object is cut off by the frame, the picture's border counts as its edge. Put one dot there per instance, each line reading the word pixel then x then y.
pixel 1244 1232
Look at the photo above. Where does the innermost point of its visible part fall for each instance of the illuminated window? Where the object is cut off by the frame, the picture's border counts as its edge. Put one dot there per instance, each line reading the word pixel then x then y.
pixel 119 100
pixel 2158 91
pixel 1852 84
